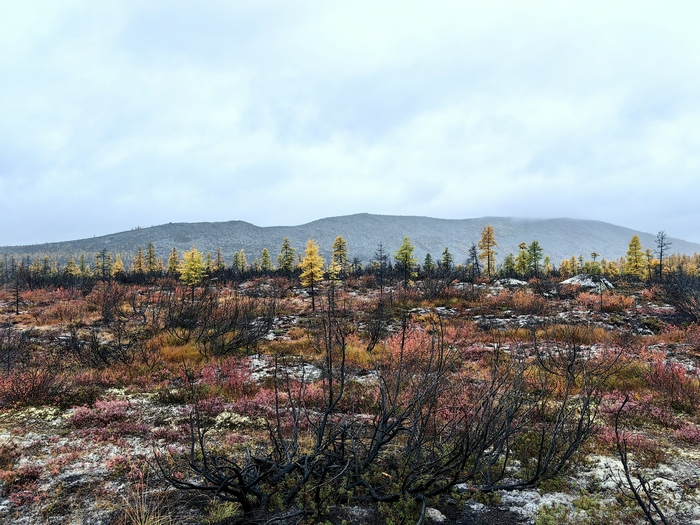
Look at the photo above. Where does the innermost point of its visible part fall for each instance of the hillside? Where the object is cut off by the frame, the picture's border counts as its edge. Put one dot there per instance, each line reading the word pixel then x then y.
pixel 560 238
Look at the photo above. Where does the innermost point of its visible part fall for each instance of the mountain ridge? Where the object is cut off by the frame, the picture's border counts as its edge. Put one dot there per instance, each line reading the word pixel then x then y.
pixel 560 238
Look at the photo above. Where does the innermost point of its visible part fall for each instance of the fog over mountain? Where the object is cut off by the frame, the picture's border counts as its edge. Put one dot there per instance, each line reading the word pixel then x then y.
pixel 560 238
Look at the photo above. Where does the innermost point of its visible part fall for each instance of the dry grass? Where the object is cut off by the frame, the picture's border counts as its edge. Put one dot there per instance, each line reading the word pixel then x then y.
pixel 176 355
pixel 142 507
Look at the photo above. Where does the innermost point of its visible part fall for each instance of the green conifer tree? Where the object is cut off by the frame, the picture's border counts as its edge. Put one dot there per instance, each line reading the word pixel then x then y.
pixel 522 261
pixel 265 261
pixel 509 268
pixel 404 259
pixel 243 261
pixel 151 265
pixel 428 264
pixel 137 265
pixel 287 257
pixel 173 263
pixel 446 261
pixel 219 264
pixel 84 267
pixel 534 256
pixel 103 264
pixel 340 255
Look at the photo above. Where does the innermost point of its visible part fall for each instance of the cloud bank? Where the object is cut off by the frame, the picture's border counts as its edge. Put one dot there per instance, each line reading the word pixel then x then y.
pixel 121 113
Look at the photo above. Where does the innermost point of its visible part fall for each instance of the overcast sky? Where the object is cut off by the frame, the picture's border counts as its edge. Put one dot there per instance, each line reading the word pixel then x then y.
pixel 125 113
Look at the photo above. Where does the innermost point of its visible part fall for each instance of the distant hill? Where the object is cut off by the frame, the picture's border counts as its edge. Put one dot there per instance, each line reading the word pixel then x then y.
pixel 560 238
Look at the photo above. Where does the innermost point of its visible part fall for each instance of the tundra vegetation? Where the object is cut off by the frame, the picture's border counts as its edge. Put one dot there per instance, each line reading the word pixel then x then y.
pixel 134 391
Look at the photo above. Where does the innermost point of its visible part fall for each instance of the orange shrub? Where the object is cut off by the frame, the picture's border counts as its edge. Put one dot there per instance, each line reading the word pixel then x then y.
pixel 528 303
pixel 606 302
pixel 522 301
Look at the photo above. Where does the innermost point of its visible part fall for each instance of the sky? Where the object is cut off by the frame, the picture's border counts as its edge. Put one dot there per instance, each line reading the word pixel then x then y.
pixel 123 114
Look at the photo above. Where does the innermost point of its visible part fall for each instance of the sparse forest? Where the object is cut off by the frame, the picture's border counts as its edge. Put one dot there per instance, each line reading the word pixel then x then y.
pixel 222 388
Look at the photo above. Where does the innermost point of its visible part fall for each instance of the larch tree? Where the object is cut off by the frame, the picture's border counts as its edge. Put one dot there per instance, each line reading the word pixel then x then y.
pixel 651 263
pixel 334 271
pixel 173 263
pixel 265 261
pixel 522 260
pixel 487 250
pixel 103 264
pixel 634 264
pixel 311 270
pixel 151 261
pixel 547 265
pixel 137 265
pixel 565 268
pixel 118 269
pixel 405 260
pixel 340 255
pixel 243 261
pixel 192 269
pixel 509 268
pixel 611 269
pixel 219 264
pixel 71 269
pixel 84 267
pixel 287 257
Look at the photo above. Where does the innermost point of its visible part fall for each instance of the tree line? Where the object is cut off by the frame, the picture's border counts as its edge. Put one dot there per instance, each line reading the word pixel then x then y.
pixel 193 266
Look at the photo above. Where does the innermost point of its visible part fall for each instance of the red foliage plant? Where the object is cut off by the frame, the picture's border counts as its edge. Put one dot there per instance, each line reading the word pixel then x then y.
pixel 679 386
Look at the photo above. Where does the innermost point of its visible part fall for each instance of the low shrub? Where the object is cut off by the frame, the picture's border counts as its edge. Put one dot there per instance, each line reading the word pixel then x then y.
pixel 678 386
pixel 605 302
pixel 32 386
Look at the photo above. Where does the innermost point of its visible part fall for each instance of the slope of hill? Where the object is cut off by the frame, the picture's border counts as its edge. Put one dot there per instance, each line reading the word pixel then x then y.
pixel 560 238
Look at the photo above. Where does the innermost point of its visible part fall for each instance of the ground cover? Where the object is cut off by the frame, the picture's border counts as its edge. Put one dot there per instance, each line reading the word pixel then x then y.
pixel 503 402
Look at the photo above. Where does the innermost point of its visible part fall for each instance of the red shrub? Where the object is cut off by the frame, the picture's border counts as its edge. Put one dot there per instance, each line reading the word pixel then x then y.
pixel 679 386
pixel 688 434
pixel 31 386
pixel 102 414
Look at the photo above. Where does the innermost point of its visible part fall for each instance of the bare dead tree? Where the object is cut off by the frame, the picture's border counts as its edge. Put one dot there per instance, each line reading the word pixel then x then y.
pixel 433 425
pixel 683 293
pixel 234 322
pixel 662 247
pixel 13 347
pixel 281 467
pixel 571 377
pixel 184 311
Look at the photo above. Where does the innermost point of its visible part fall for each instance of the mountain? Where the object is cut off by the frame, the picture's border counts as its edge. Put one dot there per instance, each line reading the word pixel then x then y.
pixel 560 238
